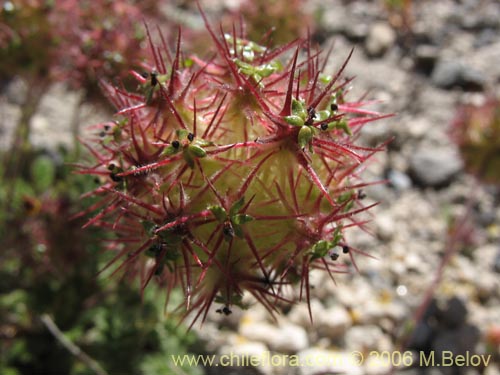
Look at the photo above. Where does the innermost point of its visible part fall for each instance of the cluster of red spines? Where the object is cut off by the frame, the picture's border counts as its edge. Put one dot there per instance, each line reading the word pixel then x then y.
pixel 209 185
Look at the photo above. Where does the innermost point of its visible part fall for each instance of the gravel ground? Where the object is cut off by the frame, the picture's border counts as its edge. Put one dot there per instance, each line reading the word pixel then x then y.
pixel 451 58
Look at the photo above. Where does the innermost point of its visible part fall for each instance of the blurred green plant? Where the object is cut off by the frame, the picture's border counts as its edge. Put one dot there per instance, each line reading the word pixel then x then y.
pixel 284 21
pixel 48 275
pixel 476 131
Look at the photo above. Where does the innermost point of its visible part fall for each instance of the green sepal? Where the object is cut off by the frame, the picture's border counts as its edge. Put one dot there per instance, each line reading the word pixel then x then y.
pixel 320 249
pixel 241 219
pixel 305 136
pixel 169 151
pixel 236 207
pixel 267 69
pixel 248 53
pixel 294 120
pixel 219 213
pixel 150 227
pixel 203 143
pixel 117 130
pixel 322 115
pixel 188 158
pixel 337 236
pixel 244 67
pixel 342 124
pixel 149 91
pixel 348 206
pixel 238 230
pixel 188 62
pixel 345 196
pixel 196 151
pixel 162 78
pixel 181 133
pixel 256 47
pixel 298 109
pixel 325 78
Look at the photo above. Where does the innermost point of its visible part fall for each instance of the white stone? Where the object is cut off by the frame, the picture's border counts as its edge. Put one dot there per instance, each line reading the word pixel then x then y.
pixel 385 226
pixel 316 361
pixel 334 322
pixel 380 38
pixel 366 338
pixel 376 365
pixel 246 351
pixel 286 338
pixel 299 314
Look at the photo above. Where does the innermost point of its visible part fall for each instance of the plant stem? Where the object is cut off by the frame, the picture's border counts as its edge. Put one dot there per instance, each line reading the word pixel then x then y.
pixel 70 346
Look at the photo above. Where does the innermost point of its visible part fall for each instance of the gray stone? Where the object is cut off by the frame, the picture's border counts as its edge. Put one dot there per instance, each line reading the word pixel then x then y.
pixel 496 264
pixel 454 313
pixel 399 181
pixel 356 31
pixel 457 341
pixel 448 74
pixel 380 38
pixel 434 167
pixel 425 58
pixel 16 91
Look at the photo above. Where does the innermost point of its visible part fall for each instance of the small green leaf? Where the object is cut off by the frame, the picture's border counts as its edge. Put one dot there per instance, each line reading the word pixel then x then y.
pixel 345 196
pixel 219 213
pixel 305 136
pixel 337 236
pixel 241 219
pixel 181 133
pixel 320 249
pixel 188 158
pixel 188 62
pixel 203 143
pixel 298 109
pixel 244 67
pixel 342 124
pixel 256 47
pixel 257 77
pixel 267 69
pixel 238 230
pixel 169 151
pixel 149 227
pixel 322 115
pixel 149 95
pixel 236 207
pixel 325 79
pixel 196 151
pixel 294 120
pixel 248 54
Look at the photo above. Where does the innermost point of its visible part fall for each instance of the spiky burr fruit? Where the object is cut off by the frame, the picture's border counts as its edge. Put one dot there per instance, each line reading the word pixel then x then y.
pixel 234 174
pixel 476 130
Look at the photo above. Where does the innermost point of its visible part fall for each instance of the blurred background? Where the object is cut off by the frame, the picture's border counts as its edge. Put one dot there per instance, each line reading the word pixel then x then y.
pixel 434 282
